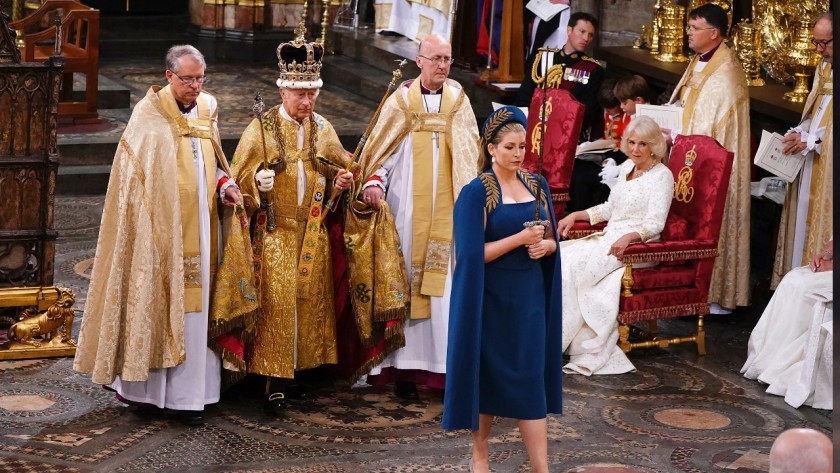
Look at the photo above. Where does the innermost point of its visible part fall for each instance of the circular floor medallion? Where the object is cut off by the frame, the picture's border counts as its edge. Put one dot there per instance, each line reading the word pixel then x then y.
pixel 694 419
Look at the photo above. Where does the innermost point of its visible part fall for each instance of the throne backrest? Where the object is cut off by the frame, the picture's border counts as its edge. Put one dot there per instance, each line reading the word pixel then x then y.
pixel 562 129
pixel 699 188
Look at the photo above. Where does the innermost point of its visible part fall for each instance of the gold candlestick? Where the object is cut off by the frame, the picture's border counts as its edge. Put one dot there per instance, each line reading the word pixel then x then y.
pixel 802 58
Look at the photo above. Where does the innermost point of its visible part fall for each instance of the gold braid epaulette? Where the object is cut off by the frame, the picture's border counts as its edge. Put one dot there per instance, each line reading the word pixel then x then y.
pixel 592 59
pixel 554 73
pixel 492 191
pixel 533 186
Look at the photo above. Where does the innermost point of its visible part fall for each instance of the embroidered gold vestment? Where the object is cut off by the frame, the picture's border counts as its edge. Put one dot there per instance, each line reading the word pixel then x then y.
pixel 719 106
pixel 820 221
pixel 144 279
pixel 296 327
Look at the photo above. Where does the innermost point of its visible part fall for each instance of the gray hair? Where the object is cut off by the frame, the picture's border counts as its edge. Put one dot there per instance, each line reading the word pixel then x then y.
pixel 827 17
pixel 648 131
pixel 179 51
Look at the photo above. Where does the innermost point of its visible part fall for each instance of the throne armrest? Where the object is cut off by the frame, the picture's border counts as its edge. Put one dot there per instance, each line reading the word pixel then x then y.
pixel 682 250
pixel 583 229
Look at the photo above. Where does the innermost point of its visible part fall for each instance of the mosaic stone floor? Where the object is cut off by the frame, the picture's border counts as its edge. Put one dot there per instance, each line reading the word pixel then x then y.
pixel 234 85
pixel 677 413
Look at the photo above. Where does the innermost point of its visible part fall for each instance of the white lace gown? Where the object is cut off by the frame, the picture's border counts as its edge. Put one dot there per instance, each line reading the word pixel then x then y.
pixel 592 278
pixel 790 348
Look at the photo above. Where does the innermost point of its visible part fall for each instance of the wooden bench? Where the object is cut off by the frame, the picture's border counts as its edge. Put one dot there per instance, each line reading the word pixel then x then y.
pixel 79 47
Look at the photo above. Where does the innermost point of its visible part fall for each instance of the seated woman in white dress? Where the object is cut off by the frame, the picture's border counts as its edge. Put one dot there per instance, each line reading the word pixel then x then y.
pixel 790 347
pixel 636 211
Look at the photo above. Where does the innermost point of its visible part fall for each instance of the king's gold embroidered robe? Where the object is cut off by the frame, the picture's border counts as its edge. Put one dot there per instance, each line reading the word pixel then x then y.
pixel 296 327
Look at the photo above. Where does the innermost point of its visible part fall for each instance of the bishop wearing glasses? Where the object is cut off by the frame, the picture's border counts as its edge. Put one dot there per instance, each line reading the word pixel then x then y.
pixel 715 100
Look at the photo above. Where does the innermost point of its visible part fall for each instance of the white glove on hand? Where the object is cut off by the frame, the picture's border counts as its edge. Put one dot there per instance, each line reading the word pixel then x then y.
pixel 609 173
pixel 265 180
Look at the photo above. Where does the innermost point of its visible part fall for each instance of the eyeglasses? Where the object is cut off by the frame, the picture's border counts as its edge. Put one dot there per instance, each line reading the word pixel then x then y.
pixel 439 60
pixel 822 44
pixel 694 29
pixel 191 80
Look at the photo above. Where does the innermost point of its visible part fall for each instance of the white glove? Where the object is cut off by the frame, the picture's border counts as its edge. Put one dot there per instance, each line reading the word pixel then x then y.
pixel 609 173
pixel 265 180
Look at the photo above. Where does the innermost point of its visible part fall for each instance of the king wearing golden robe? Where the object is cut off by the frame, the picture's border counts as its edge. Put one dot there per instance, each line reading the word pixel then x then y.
pixel 289 162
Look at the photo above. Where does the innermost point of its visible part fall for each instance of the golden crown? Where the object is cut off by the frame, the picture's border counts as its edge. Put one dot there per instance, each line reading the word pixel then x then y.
pixel 300 62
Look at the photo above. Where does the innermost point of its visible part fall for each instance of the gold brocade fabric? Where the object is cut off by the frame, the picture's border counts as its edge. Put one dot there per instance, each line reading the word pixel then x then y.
pixel 819 223
pixel 289 335
pixel 719 107
pixel 432 211
pixel 134 314
pixel 378 284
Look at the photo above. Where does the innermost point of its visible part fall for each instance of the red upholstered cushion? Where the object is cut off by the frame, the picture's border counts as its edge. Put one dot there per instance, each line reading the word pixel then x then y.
pixel 664 277
pixel 676 228
pixel 562 131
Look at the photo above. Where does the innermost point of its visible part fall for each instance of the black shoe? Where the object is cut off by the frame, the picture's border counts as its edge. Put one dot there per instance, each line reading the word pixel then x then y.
pixel 275 405
pixel 191 418
pixel 296 392
pixel 406 390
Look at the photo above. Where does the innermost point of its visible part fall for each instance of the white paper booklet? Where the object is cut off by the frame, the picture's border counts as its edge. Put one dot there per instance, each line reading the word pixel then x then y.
pixel 545 9
pixel 664 116
pixel 770 157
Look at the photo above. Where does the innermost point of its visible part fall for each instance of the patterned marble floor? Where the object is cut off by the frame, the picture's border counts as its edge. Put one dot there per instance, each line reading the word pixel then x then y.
pixel 677 413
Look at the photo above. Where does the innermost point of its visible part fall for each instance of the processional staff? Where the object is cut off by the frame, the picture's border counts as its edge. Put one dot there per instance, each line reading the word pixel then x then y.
pixel 396 75
pixel 265 199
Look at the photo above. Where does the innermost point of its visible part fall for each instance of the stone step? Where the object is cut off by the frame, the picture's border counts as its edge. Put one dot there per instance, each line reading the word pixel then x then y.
pixel 110 94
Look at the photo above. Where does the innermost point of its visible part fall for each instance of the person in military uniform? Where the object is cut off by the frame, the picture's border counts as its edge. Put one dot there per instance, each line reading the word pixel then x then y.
pixel 289 163
pixel 582 77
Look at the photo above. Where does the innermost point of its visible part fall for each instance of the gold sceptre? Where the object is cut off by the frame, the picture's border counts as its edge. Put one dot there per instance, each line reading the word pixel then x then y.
pixel 265 198
pixel 396 75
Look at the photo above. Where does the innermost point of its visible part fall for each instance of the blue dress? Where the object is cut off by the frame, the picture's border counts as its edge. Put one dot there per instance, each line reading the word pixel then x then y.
pixel 511 366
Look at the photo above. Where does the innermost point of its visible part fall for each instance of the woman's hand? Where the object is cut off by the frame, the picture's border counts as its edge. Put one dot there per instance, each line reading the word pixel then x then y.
pixel 565 224
pixel 542 248
pixel 617 248
pixel 531 235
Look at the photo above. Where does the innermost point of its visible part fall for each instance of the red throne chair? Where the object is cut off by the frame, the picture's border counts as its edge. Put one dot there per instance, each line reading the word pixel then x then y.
pixel 679 284
pixel 563 121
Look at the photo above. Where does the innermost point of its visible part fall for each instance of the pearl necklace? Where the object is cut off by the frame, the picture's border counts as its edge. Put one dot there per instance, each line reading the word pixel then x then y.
pixel 637 173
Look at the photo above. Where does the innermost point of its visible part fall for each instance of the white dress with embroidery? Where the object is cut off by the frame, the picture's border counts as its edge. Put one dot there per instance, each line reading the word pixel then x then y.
pixel 592 278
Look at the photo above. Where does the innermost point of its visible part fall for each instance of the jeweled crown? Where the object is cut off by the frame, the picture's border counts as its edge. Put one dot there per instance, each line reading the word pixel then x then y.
pixel 300 62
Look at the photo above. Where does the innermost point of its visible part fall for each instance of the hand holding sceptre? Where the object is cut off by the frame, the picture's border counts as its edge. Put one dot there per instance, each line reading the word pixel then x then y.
pixel 396 75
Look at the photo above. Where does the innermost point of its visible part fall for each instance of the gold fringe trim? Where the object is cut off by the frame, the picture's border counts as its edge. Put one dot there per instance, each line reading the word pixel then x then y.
pixel 391 345
pixel 325 168
pixel 699 308
pixel 575 234
pixel 390 314
pixel 680 255
pixel 229 378
pixel 217 328
pixel 560 197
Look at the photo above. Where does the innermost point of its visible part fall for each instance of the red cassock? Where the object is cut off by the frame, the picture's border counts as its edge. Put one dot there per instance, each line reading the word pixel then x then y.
pixel 562 128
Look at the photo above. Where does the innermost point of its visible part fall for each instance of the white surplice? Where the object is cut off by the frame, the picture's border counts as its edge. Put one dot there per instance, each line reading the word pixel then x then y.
pixel 592 278
pixel 425 339
pixel 411 19
pixel 197 381
pixel 790 348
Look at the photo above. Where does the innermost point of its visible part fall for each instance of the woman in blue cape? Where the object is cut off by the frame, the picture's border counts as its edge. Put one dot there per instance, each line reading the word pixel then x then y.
pixel 504 355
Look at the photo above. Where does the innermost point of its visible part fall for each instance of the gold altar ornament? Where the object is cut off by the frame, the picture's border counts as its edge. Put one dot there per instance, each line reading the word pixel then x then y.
pixel 42 333
pixel 747 39
pixel 671 21
pixel 802 59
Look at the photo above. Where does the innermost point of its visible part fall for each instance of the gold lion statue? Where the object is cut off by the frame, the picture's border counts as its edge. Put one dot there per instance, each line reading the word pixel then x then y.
pixel 53 326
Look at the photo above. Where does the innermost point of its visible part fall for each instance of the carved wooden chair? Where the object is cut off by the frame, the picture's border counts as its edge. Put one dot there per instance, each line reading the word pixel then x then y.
pixel 679 284
pixel 79 46
pixel 562 128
